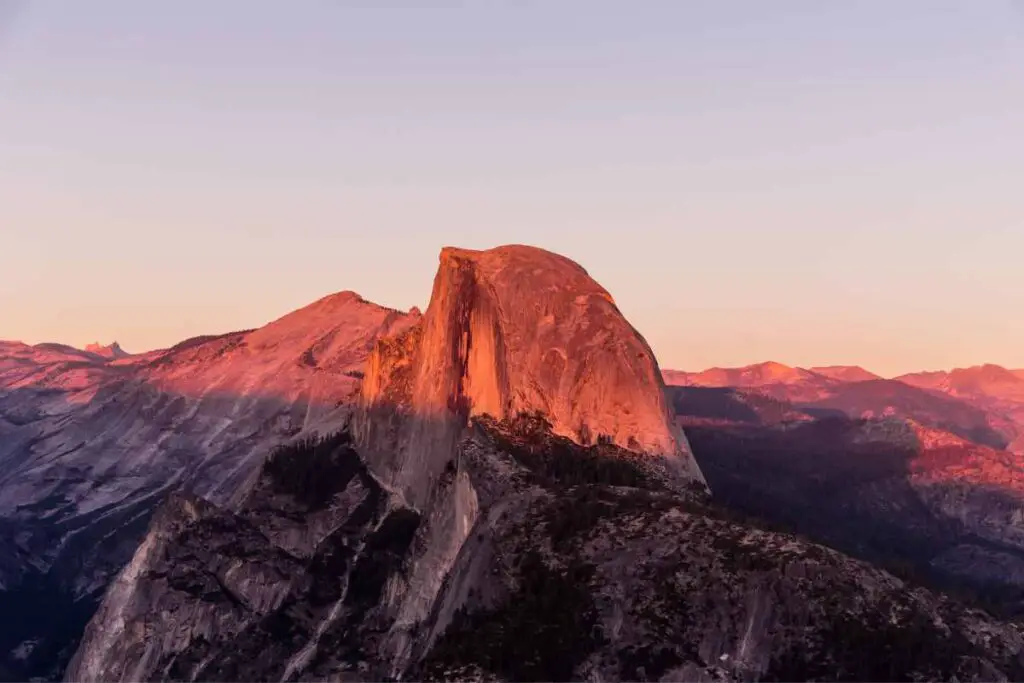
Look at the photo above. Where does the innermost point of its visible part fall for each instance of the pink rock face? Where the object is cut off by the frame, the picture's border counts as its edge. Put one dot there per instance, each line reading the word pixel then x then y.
pixel 509 330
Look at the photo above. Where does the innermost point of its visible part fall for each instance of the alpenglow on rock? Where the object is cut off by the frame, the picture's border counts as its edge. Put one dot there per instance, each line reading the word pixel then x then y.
pixel 511 330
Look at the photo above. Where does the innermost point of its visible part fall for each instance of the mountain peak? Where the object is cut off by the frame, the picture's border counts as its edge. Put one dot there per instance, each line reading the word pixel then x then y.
pixel 111 351
pixel 545 268
pixel 510 330
pixel 758 374
pixel 312 319
pixel 773 367
pixel 989 372
pixel 845 373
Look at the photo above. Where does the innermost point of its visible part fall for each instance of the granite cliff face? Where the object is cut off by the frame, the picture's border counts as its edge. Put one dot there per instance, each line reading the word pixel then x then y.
pixel 513 330
pixel 90 445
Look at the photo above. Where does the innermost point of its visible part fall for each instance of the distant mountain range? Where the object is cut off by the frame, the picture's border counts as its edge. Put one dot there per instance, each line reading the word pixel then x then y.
pixel 984 403
pixel 921 473
pixel 845 373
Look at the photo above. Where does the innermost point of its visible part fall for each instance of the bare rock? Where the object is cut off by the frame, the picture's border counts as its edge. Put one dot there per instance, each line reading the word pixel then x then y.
pixel 513 330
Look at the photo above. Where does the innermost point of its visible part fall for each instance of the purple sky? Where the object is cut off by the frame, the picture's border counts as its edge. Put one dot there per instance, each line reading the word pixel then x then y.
pixel 803 181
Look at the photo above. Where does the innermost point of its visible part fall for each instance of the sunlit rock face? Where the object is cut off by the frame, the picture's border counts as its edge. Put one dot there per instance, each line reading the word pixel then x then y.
pixel 512 330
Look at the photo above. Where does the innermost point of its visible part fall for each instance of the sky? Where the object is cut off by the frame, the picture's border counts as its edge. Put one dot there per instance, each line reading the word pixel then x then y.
pixel 802 181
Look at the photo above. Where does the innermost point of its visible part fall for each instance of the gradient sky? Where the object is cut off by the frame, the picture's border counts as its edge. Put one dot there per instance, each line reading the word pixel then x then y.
pixel 803 181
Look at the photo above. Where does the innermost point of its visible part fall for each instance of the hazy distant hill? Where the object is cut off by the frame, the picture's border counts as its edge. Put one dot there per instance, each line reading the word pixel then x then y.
pixel 845 373
pixel 981 404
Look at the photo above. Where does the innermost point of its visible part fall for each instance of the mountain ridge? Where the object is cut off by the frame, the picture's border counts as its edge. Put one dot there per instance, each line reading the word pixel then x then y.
pixel 846 373
pixel 91 446
pixel 983 402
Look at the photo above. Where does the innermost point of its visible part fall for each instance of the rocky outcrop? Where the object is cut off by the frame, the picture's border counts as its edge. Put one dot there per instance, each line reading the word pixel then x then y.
pixel 513 330
pixel 515 504
pixel 282 585
pixel 112 351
